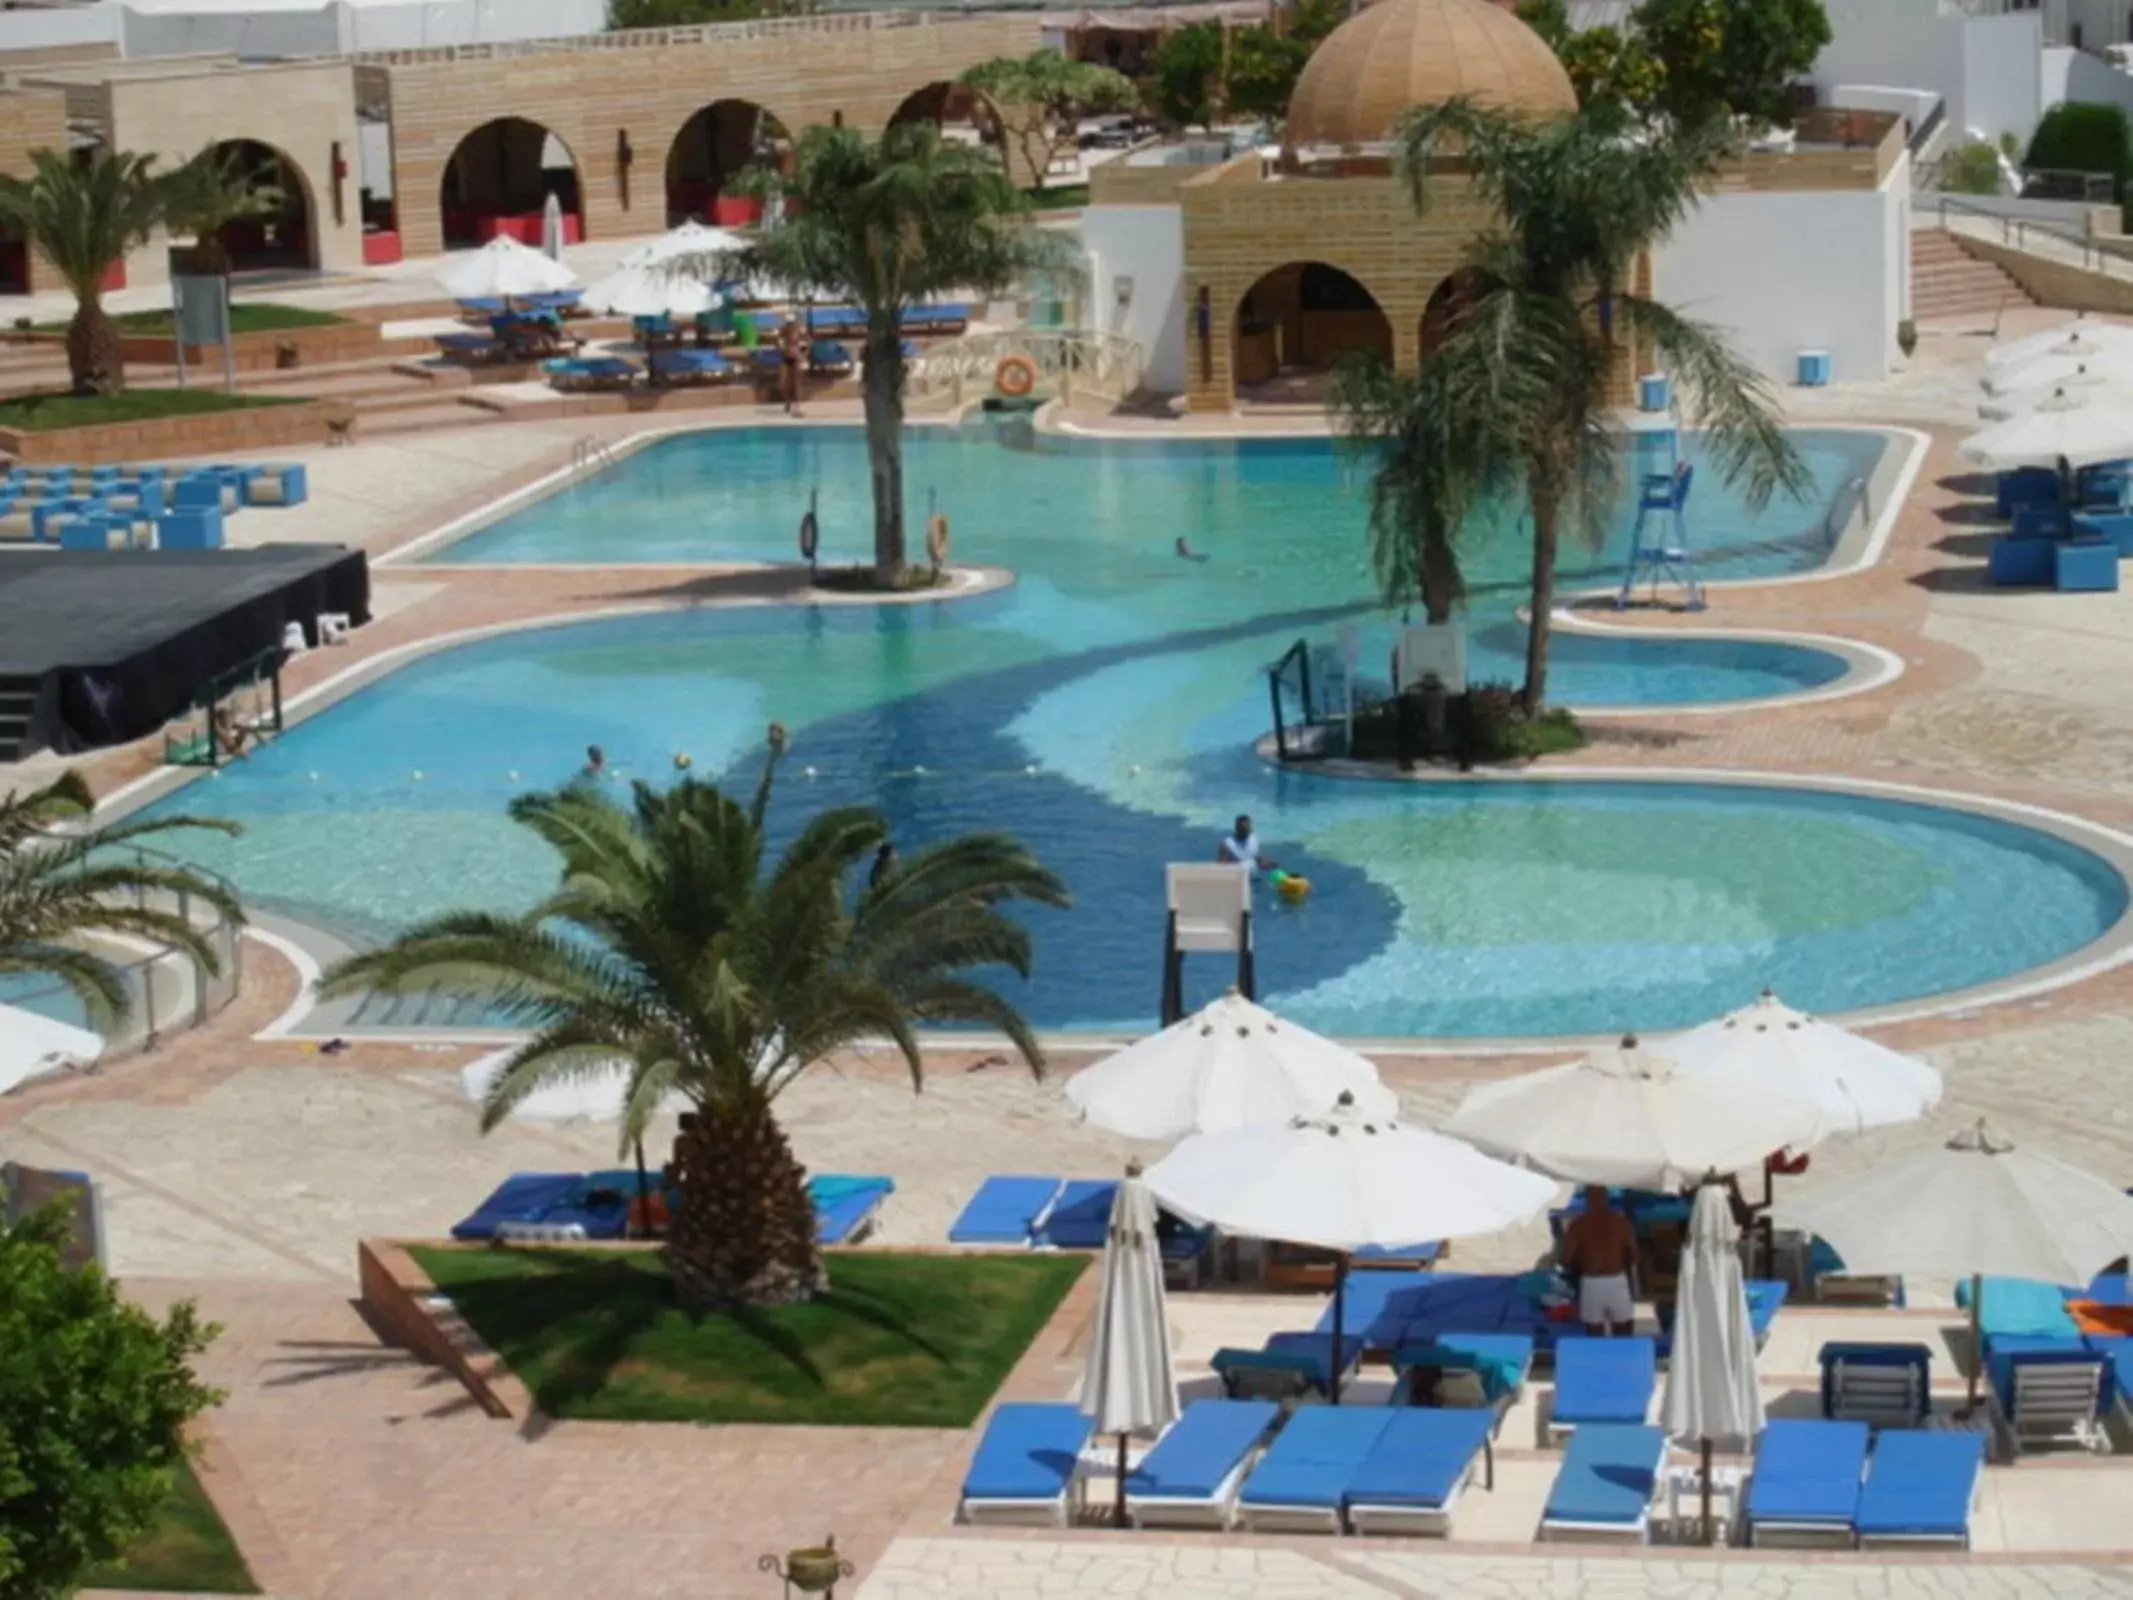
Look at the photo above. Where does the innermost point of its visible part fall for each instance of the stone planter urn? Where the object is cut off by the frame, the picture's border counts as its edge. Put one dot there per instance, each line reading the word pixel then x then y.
pixel 811 1569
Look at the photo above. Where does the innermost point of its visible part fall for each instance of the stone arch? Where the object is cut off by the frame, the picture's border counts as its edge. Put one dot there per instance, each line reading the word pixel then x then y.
pixel 1296 320
pixel 498 180
pixel 287 236
pixel 1448 304
pixel 712 146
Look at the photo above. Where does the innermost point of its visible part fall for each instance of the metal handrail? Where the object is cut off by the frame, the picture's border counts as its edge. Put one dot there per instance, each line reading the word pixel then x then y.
pixel 590 454
pixel 1922 135
pixel 2015 231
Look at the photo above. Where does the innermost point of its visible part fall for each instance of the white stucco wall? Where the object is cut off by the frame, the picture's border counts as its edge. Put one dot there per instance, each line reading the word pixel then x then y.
pixel 1986 68
pixel 46 30
pixel 275 28
pixel 1146 244
pixel 2077 75
pixel 1786 272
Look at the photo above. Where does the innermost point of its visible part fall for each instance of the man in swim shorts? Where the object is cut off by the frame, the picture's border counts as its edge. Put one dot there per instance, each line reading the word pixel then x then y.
pixel 1600 1246
pixel 1240 848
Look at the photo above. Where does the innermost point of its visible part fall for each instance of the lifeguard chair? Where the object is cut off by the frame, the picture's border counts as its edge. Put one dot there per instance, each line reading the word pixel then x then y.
pixel 1659 550
pixel 1210 910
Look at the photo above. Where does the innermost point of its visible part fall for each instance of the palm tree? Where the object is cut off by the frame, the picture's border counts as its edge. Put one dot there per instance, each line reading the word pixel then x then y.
pixel 82 216
pixel 58 889
pixel 207 194
pixel 668 947
pixel 1531 357
pixel 885 227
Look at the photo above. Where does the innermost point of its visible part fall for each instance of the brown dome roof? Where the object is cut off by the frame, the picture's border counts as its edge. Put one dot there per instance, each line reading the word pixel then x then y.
pixel 1403 53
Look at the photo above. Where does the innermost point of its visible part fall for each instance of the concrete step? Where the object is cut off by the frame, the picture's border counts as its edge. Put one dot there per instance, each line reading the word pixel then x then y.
pixel 418 419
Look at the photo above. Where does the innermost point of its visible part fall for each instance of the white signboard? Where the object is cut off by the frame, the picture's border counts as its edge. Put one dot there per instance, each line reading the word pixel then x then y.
pixel 1433 650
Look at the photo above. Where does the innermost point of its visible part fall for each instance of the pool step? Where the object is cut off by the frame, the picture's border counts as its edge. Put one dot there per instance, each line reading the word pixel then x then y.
pixel 18 704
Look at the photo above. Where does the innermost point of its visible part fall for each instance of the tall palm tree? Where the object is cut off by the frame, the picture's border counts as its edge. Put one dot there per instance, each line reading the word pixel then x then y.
pixel 670 947
pixel 207 194
pixel 82 216
pixel 886 226
pixel 1550 311
pixel 60 888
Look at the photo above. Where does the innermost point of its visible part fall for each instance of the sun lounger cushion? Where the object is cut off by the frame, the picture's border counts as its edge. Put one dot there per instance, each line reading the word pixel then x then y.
pixel 1317 1348
pixel 1030 1451
pixel 1603 1380
pixel 1196 1456
pixel 1080 1219
pixel 1263 1372
pixel 1920 1485
pixel 1313 1458
pixel 2020 1307
pixel 475 345
pixel 1421 1457
pixel 1607 1477
pixel 1766 1298
pixel 843 1204
pixel 1004 1210
pixel 2111 1289
pixel 522 1197
pixel 1808 1472
pixel 1501 1359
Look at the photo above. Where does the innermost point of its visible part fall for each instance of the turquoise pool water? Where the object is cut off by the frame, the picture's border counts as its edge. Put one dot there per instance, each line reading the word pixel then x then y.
pixel 1103 708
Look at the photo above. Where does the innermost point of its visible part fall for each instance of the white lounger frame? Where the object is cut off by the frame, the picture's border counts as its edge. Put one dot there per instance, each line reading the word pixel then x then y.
pixel 1056 1512
pixel 1289 1518
pixel 1778 1534
pixel 1638 1532
pixel 1218 1510
pixel 2053 1402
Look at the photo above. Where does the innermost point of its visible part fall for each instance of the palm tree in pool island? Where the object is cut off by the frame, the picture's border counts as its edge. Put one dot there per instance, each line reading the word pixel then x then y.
pixel 674 946
pixel 886 226
pixel 1546 309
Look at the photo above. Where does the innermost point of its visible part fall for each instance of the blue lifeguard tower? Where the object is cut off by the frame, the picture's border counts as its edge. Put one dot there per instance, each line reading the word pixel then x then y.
pixel 1659 549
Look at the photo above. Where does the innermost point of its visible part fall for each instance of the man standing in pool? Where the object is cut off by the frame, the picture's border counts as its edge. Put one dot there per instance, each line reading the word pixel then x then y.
pixel 1240 848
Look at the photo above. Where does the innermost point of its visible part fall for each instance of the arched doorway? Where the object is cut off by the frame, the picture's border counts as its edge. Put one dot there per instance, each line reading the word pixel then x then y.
pixel 1449 305
pixel 282 236
pixel 1295 324
pixel 715 146
pixel 499 180
pixel 960 112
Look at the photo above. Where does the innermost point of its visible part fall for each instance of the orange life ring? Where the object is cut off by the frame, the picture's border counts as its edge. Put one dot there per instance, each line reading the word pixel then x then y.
pixel 1015 377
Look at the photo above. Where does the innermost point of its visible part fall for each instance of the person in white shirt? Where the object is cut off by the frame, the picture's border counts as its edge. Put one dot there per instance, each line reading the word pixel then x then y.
pixel 1240 848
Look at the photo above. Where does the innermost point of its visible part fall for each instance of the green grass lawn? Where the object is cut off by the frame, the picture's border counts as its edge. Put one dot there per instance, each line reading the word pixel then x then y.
pixel 245 317
pixel 898 1341
pixel 188 1551
pixel 43 413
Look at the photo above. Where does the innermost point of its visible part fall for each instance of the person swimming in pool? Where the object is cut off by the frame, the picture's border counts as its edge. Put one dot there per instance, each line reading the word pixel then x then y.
pixel 1184 548
pixel 595 762
pixel 1240 848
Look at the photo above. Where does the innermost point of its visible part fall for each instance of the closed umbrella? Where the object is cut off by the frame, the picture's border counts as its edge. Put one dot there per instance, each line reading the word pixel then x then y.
pixel 1712 1396
pixel 1977 1206
pixel 552 228
pixel 504 269
pixel 2065 428
pixel 33 1045
pixel 2079 339
pixel 1344 1180
pixel 1231 1065
pixel 1129 1385
pixel 1854 1083
pixel 1628 1116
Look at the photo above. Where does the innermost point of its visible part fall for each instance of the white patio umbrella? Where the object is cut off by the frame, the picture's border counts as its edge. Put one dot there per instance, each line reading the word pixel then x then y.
pixel 2091 388
pixel 648 291
pixel 2063 428
pixel 596 1096
pixel 36 1046
pixel 1129 1386
pixel 2079 338
pixel 2048 372
pixel 503 268
pixel 1344 1180
pixel 1230 1065
pixel 1977 1206
pixel 1628 1116
pixel 690 239
pixel 1855 1083
pixel 552 227
pixel 1712 1396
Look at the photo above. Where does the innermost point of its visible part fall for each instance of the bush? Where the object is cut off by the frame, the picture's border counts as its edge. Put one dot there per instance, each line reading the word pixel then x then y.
pixel 1501 729
pixel 2074 137
pixel 1973 169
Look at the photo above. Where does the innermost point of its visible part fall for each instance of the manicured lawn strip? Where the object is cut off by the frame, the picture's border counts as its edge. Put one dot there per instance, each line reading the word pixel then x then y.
pixel 245 317
pixel 47 413
pixel 188 1551
pixel 898 1341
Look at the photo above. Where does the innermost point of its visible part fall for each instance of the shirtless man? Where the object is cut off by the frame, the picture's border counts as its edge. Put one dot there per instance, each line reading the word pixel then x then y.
pixel 1600 1246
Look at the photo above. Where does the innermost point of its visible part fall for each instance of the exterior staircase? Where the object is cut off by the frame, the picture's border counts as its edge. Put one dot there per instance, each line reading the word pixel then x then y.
pixel 18 703
pixel 1948 281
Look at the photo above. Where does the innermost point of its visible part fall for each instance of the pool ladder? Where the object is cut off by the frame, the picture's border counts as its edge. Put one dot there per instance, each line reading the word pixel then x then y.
pixel 590 455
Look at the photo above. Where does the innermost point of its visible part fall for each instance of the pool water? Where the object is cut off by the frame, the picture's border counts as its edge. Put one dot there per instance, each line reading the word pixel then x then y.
pixel 1103 708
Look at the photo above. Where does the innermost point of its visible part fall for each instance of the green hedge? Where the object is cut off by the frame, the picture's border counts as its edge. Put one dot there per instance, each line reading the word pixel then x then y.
pixel 2084 138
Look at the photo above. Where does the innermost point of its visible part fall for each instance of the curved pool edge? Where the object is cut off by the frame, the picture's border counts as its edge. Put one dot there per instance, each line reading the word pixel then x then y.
pixel 1867 667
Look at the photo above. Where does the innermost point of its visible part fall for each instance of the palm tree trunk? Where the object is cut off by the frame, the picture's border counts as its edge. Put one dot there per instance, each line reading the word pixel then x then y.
pixel 882 390
pixel 1440 573
pixel 1547 509
pixel 743 1229
pixel 93 359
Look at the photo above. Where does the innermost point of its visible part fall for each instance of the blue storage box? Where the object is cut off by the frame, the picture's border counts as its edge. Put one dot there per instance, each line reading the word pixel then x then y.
pixel 1814 368
pixel 279 486
pixel 86 532
pixel 1655 392
pixel 2084 566
pixel 2116 526
pixel 197 490
pixel 2039 521
pixel 2016 562
pixel 190 528
pixel 46 515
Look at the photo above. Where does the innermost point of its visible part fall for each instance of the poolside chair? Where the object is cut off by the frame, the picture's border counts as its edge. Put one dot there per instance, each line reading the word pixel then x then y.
pixel 2047 1396
pixel 691 366
pixel 1301 1483
pixel 470 349
pixel 1881 1385
pixel 847 1208
pixel 1190 1478
pixel 1423 1461
pixel 1920 1491
pixel 524 1196
pixel 1079 1218
pixel 1601 1380
pixel 1477 1369
pixel 830 356
pixel 581 374
pixel 1005 1210
pixel 1805 1486
pixel 1028 1465
pixel 1605 1486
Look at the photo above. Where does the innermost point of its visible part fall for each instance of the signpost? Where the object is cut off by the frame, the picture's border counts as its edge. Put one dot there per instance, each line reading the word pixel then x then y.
pixel 200 314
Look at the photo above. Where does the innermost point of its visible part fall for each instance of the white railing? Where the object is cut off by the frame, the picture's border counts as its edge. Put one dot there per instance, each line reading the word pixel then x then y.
pixel 1072 364
pixel 590 455
pixel 834 22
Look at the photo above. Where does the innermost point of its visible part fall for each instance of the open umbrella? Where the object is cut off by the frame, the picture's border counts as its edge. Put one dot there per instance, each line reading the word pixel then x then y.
pixel 648 291
pixel 1343 1180
pixel 552 227
pixel 2049 372
pixel 1977 1206
pixel 503 269
pixel 1629 1116
pixel 33 1045
pixel 2091 387
pixel 1711 1392
pixel 690 239
pixel 1128 1386
pixel 2079 339
pixel 2065 428
pixel 1232 1064
pixel 1854 1083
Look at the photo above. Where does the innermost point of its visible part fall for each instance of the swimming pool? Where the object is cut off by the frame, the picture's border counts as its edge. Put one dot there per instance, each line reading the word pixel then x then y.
pixel 1104 706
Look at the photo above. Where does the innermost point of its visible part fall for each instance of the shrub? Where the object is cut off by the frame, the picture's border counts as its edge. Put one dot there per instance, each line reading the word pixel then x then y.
pixel 1501 729
pixel 1973 169
pixel 2074 137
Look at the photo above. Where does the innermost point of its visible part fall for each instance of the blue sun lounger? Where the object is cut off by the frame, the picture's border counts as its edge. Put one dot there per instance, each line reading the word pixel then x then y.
pixel 1027 1466
pixel 1005 1210
pixel 691 366
pixel 1601 1380
pixel 1301 1483
pixel 1190 1478
pixel 1080 1219
pixel 846 1207
pixel 1605 1486
pixel 521 1196
pixel 1502 1361
pixel 1414 1475
pixel 830 355
pixel 1920 1490
pixel 531 1206
pixel 1805 1488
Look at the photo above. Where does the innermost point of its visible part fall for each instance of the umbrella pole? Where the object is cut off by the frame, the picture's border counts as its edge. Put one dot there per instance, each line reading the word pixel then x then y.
pixel 1977 1340
pixel 1334 1363
pixel 1710 1530
pixel 1118 1517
